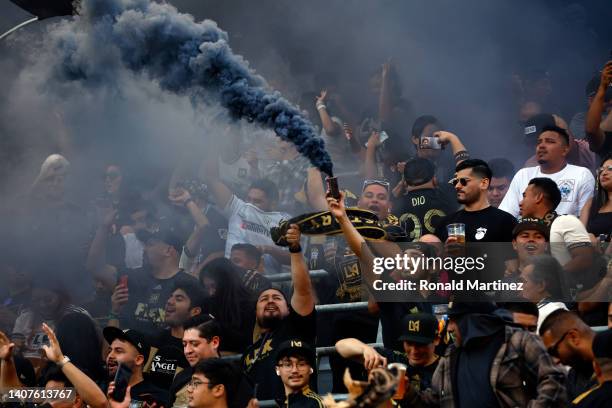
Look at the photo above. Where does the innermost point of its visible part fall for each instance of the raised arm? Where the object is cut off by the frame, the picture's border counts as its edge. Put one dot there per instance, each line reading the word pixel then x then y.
pixel 358 350
pixel 595 135
pixel 90 393
pixel 315 190
pixel 331 128
pixel 220 191
pixel 371 167
pixel 302 300
pixel 460 153
pixel 8 372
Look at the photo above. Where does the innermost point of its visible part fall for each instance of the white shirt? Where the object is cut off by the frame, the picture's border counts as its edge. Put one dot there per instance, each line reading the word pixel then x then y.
pixel 567 232
pixel 575 183
pixel 248 224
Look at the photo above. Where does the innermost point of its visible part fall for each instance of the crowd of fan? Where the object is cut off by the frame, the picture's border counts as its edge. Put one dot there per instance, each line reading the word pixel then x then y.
pixel 177 278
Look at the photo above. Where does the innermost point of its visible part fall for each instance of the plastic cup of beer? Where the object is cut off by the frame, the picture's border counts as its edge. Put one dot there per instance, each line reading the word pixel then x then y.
pixel 401 380
pixel 457 232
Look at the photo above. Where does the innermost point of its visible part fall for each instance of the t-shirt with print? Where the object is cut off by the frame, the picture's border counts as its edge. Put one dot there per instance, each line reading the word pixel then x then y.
pixel 575 183
pixel 419 377
pixel 487 225
pixel 147 299
pixel 343 281
pixel 259 359
pixel 420 211
pixel 166 359
pixel 248 224
pixel 29 327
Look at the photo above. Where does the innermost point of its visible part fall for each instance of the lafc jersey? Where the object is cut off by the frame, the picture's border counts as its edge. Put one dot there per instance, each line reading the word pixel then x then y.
pixel 420 211
pixel 343 283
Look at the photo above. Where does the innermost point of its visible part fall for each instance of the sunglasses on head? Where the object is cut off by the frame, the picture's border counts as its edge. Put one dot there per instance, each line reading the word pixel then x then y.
pixel 383 183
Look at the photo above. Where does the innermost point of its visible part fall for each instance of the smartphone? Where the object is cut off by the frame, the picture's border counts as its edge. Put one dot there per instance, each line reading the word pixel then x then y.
pixel 430 142
pixel 332 183
pixel 122 377
pixel 123 280
pixel 383 136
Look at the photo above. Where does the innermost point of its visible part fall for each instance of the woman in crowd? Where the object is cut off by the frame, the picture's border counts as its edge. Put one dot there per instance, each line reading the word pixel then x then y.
pixel 597 215
pixel 230 302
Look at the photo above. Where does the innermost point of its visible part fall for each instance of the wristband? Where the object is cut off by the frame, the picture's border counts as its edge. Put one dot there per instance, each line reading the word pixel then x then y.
pixel 63 362
pixel 295 249
pixel 462 155
pixel 321 106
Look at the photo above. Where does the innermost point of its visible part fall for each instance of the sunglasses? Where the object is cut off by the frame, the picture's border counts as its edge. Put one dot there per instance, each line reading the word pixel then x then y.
pixel 554 349
pixel 383 183
pixel 462 180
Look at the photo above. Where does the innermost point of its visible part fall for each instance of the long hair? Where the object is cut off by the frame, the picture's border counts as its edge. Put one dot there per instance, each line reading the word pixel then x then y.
pixel 600 197
pixel 230 295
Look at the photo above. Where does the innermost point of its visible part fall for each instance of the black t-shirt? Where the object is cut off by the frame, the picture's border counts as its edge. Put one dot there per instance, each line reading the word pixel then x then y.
pixel 598 397
pixel 147 300
pixel 420 211
pixel 343 282
pixel 145 391
pixel 259 359
pixel 488 225
pixel 165 359
pixel 419 377
pixel 601 223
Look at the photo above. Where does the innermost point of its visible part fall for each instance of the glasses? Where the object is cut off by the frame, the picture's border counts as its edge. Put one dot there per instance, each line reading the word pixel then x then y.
pixel 605 168
pixel 301 365
pixel 554 349
pixel 463 180
pixel 383 183
pixel 196 383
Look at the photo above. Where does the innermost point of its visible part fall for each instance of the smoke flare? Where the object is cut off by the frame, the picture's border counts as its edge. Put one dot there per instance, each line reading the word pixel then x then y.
pixel 185 57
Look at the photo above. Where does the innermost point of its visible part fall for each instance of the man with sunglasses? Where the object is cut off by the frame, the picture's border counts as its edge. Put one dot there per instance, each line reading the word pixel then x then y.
pixel 569 340
pixel 483 222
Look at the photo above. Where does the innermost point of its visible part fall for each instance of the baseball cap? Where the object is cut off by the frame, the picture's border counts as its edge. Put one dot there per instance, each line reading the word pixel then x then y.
pixel 296 347
pixel 135 338
pixel 602 344
pixel 419 328
pixel 542 122
pixel 531 224
pixel 418 171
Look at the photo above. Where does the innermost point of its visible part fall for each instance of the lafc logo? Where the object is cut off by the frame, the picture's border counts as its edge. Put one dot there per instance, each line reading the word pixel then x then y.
pixel 413 326
pixel 296 343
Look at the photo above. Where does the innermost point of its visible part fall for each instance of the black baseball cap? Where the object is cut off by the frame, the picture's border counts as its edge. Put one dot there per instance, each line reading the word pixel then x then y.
pixel 419 328
pixel 456 309
pixel 602 344
pixel 418 171
pixel 543 122
pixel 135 338
pixel 531 224
pixel 296 347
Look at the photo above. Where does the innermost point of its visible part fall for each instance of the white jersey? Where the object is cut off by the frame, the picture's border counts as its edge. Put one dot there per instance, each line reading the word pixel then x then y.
pixel 248 224
pixel 575 183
